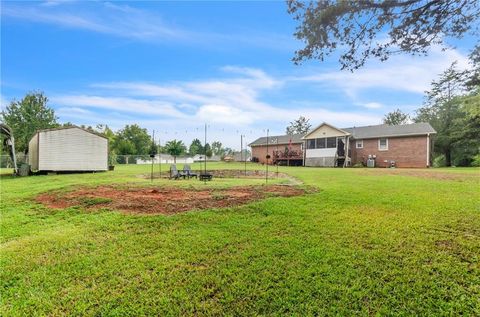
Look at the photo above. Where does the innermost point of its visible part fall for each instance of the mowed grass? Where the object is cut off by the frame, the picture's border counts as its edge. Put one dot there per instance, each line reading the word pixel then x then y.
pixel 367 243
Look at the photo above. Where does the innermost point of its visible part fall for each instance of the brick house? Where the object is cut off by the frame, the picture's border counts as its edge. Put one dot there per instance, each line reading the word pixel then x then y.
pixel 408 145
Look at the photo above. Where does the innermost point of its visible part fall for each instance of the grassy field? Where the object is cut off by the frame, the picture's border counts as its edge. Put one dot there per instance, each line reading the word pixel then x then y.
pixel 369 242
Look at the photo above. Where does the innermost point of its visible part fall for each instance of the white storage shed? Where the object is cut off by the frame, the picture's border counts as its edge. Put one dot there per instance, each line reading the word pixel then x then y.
pixel 68 149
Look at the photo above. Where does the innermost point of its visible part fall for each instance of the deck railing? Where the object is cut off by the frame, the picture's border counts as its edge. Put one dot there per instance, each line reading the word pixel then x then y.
pixel 287 155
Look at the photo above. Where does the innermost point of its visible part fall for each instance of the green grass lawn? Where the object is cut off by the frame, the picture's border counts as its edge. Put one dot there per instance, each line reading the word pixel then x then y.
pixel 369 242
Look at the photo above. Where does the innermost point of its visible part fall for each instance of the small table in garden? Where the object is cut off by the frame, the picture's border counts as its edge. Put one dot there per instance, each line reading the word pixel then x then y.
pixel 205 177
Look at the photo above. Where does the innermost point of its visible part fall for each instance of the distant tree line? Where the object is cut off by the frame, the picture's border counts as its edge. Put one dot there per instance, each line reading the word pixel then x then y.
pixel 452 107
pixel 32 113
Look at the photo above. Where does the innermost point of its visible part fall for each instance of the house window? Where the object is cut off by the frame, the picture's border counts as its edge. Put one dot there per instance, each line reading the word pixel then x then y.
pixel 311 144
pixel 383 144
pixel 359 144
pixel 331 143
pixel 321 143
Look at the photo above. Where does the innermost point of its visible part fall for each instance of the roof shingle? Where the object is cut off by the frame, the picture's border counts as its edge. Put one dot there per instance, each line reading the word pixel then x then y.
pixel 282 139
pixel 385 130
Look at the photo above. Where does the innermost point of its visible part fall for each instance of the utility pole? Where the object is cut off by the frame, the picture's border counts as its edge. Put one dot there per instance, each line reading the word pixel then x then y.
pixel 159 160
pixel 266 166
pixel 152 155
pixel 205 156
pixel 277 158
pixel 245 162
pixel 241 147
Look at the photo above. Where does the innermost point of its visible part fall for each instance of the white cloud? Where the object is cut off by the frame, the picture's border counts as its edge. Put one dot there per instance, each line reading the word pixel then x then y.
pixel 125 21
pixel 224 114
pixel 232 103
pixel 52 3
pixel 372 105
pixel 129 105
pixel 400 73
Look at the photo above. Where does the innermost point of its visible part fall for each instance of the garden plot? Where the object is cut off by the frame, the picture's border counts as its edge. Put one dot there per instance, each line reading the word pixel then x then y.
pixel 164 200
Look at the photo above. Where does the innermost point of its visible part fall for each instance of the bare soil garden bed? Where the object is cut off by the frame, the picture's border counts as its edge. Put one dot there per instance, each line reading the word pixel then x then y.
pixel 164 200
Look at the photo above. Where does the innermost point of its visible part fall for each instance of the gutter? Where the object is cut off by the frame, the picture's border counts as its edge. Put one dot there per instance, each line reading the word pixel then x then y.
pixel 392 136
pixel 428 149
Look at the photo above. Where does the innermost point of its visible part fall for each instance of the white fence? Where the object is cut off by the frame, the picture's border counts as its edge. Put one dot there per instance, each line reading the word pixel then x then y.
pixel 165 159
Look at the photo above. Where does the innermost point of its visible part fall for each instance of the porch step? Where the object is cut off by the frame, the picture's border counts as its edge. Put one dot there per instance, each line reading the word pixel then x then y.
pixel 340 162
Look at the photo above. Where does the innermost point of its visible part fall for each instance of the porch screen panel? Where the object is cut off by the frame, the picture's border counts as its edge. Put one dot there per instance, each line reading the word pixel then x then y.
pixel 311 144
pixel 331 143
pixel 321 143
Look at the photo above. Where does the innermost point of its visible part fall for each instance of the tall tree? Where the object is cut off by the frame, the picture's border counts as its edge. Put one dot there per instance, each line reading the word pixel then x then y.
pixel 474 75
pixel 228 151
pixel 359 30
pixel 195 147
pixel 300 126
pixel 107 132
pixel 217 148
pixel 153 149
pixel 396 117
pixel 208 150
pixel 442 109
pixel 27 116
pixel 110 135
pixel 175 148
pixel 132 139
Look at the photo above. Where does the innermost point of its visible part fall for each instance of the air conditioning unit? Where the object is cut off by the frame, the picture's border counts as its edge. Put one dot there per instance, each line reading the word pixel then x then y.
pixel 371 162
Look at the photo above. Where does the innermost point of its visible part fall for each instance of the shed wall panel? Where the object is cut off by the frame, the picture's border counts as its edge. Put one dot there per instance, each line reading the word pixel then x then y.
pixel 33 153
pixel 72 150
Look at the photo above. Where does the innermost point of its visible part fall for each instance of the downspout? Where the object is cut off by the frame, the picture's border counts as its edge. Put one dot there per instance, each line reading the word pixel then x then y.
pixel 347 145
pixel 428 150
pixel 304 151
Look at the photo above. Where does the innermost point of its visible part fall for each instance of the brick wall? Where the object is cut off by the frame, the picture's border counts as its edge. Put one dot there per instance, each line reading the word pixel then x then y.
pixel 405 151
pixel 260 152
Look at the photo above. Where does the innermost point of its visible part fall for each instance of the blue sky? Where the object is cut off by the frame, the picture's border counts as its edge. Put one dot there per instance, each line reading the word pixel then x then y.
pixel 172 66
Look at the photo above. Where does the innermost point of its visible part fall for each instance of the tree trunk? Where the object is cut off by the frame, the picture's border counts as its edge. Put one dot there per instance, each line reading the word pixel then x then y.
pixel 174 159
pixel 448 157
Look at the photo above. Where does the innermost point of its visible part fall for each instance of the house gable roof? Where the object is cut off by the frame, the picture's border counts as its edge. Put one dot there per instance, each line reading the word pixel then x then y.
pixel 366 132
pixel 385 130
pixel 282 139
pixel 328 125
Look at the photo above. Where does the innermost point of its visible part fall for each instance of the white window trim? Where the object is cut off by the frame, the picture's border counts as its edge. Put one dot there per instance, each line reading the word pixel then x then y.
pixel 357 143
pixel 379 148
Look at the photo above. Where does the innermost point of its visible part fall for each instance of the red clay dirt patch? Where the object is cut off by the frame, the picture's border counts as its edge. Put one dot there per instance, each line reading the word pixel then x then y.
pixel 164 200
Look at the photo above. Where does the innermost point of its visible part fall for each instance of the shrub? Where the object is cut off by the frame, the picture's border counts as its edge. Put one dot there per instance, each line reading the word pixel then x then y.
pixel 476 160
pixel 439 161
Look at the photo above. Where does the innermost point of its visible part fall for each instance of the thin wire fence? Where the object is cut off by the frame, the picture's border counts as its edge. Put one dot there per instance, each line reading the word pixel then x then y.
pixel 6 161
